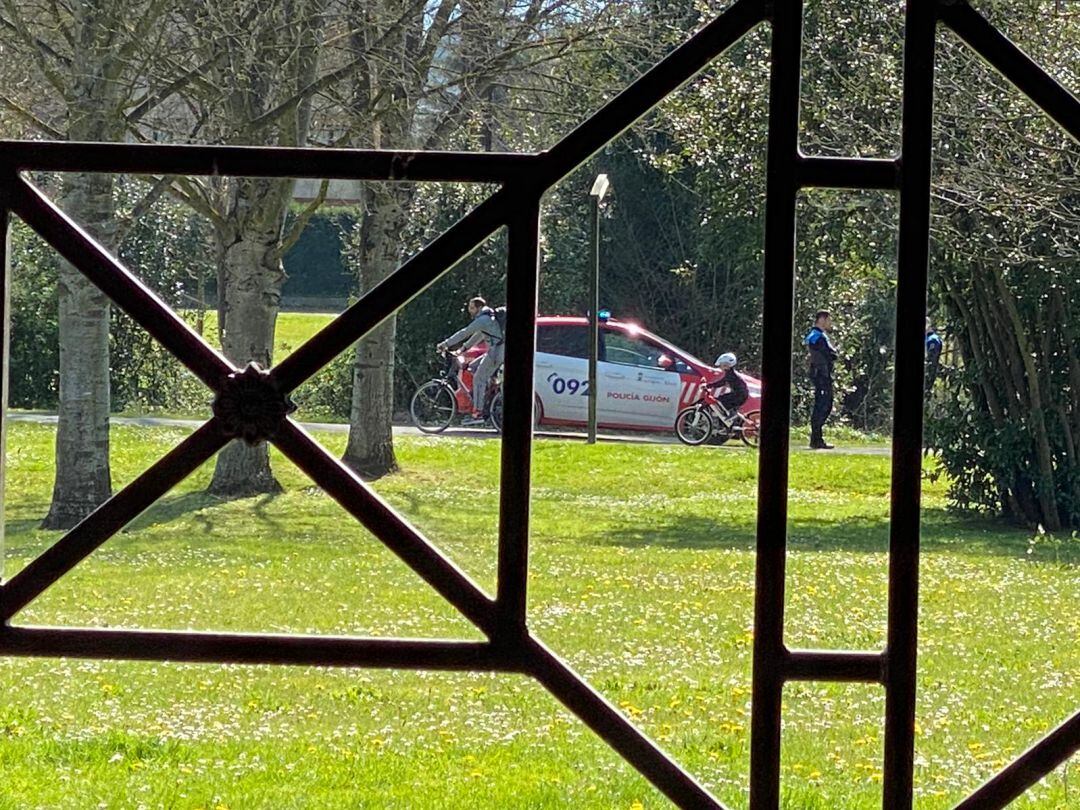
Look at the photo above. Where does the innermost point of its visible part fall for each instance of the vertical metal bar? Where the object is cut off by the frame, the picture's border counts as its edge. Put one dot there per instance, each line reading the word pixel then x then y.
pixel 5 348
pixel 522 279
pixel 781 189
pixel 594 318
pixel 914 237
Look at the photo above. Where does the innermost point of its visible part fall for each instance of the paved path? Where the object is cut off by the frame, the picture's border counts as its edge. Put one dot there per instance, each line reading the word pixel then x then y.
pixel 409 430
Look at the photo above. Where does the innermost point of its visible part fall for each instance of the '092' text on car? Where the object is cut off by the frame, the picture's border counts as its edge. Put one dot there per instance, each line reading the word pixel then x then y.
pixel 643 381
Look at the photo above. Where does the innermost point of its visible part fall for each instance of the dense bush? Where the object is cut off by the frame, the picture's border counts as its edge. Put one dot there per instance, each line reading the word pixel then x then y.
pixel 34 359
pixel 166 249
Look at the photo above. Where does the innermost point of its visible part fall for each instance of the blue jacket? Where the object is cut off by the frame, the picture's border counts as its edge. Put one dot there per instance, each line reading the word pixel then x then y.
pixel 933 347
pixel 822 353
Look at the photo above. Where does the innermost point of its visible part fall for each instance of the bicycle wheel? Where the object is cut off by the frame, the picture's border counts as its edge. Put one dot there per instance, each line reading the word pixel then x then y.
pixel 495 413
pixel 433 407
pixel 750 431
pixel 693 425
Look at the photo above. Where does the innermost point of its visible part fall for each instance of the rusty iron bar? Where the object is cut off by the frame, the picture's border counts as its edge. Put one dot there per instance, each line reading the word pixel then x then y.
pixel 383 521
pixel 609 724
pixel 5 349
pixel 853 173
pixel 827 665
pixel 1012 63
pixel 779 288
pixel 116 281
pixel 101 524
pixel 254 648
pixel 1027 769
pixel 264 161
pixel 788 170
pixel 522 290
pixel 901 649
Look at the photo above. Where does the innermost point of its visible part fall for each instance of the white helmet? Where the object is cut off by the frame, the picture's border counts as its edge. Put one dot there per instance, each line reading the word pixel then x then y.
pixel 726 359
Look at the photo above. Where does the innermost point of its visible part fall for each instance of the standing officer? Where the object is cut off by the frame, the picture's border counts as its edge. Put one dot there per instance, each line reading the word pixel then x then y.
pixel 933 355
pixel 822 357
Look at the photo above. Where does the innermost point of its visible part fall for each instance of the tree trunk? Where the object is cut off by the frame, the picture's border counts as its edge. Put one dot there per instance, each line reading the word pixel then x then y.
pixel 370 449
pixel 1045 485
pixel 83 481
pixel 249 300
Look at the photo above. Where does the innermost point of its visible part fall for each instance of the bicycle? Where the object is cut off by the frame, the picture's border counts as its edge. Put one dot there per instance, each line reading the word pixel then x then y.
pixel 438 401
pixel 708 420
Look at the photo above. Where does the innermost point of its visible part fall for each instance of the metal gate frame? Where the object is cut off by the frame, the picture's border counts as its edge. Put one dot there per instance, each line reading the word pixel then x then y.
pixel 253 404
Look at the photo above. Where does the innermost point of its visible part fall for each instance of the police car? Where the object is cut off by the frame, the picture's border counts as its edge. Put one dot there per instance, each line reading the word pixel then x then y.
pixel 643 380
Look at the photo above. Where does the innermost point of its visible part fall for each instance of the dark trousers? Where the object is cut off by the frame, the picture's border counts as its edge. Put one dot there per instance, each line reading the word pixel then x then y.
pixel 731 401
pixel 929 377
pixel 823 402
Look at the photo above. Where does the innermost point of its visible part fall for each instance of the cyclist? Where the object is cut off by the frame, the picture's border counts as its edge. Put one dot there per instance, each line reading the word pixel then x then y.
pixel 484 326
pixel 737 393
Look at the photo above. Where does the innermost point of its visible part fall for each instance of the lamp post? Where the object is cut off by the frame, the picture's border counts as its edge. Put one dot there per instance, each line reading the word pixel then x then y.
pixel 599 189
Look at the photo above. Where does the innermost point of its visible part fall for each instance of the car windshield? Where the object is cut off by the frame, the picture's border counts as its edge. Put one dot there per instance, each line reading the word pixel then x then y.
pixel 635 331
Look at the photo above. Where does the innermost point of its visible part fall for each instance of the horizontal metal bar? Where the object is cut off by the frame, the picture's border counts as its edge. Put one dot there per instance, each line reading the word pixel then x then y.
pixel 383 521
pixel 263 161
pixel 652 87
pixel 825 665
pixel 854 173
pixel 604 719
pixel 116 281
pixel 1012 63
pixel 1031 766
pixel 109 518
pixel 385 298
pixel 254 648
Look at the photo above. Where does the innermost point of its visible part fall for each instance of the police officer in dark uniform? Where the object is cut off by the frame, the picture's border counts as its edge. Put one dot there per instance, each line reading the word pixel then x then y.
pixel 822 359
pixel 933 355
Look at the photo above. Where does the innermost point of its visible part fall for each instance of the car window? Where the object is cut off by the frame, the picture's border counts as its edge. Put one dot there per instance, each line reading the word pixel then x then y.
pixel 563 339
pixel 620 348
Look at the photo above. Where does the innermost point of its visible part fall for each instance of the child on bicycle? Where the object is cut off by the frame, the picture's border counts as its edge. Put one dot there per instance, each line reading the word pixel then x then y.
pixel 737 393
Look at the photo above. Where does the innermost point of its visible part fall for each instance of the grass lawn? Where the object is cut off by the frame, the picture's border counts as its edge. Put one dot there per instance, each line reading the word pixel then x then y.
pixel 292 329
pixel 642 578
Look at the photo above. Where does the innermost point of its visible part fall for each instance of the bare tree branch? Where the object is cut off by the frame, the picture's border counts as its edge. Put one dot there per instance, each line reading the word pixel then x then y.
pixel 32 119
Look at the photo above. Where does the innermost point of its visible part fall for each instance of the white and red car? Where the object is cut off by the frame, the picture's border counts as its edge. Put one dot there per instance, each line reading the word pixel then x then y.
pixel 643 380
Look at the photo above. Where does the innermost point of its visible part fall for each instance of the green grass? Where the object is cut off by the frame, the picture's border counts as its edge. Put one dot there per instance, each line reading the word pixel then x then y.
pixel 642 578
pixel 292 329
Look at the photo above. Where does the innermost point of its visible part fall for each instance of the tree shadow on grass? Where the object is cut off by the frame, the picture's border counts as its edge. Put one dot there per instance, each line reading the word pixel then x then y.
pixel 176 507
pixel 941 532
pixel 199 505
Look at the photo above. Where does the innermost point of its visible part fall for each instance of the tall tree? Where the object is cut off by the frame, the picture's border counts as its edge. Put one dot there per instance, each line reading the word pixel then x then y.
pixel 436 74
pixel 267 59
pixel 93 59
pixel 1005 273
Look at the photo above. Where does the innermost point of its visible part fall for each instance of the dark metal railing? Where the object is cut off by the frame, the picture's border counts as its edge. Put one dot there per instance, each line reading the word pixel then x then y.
pixel 523 178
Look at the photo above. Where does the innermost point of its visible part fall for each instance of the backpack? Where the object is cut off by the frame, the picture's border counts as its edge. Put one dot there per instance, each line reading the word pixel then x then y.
pixel 500 318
